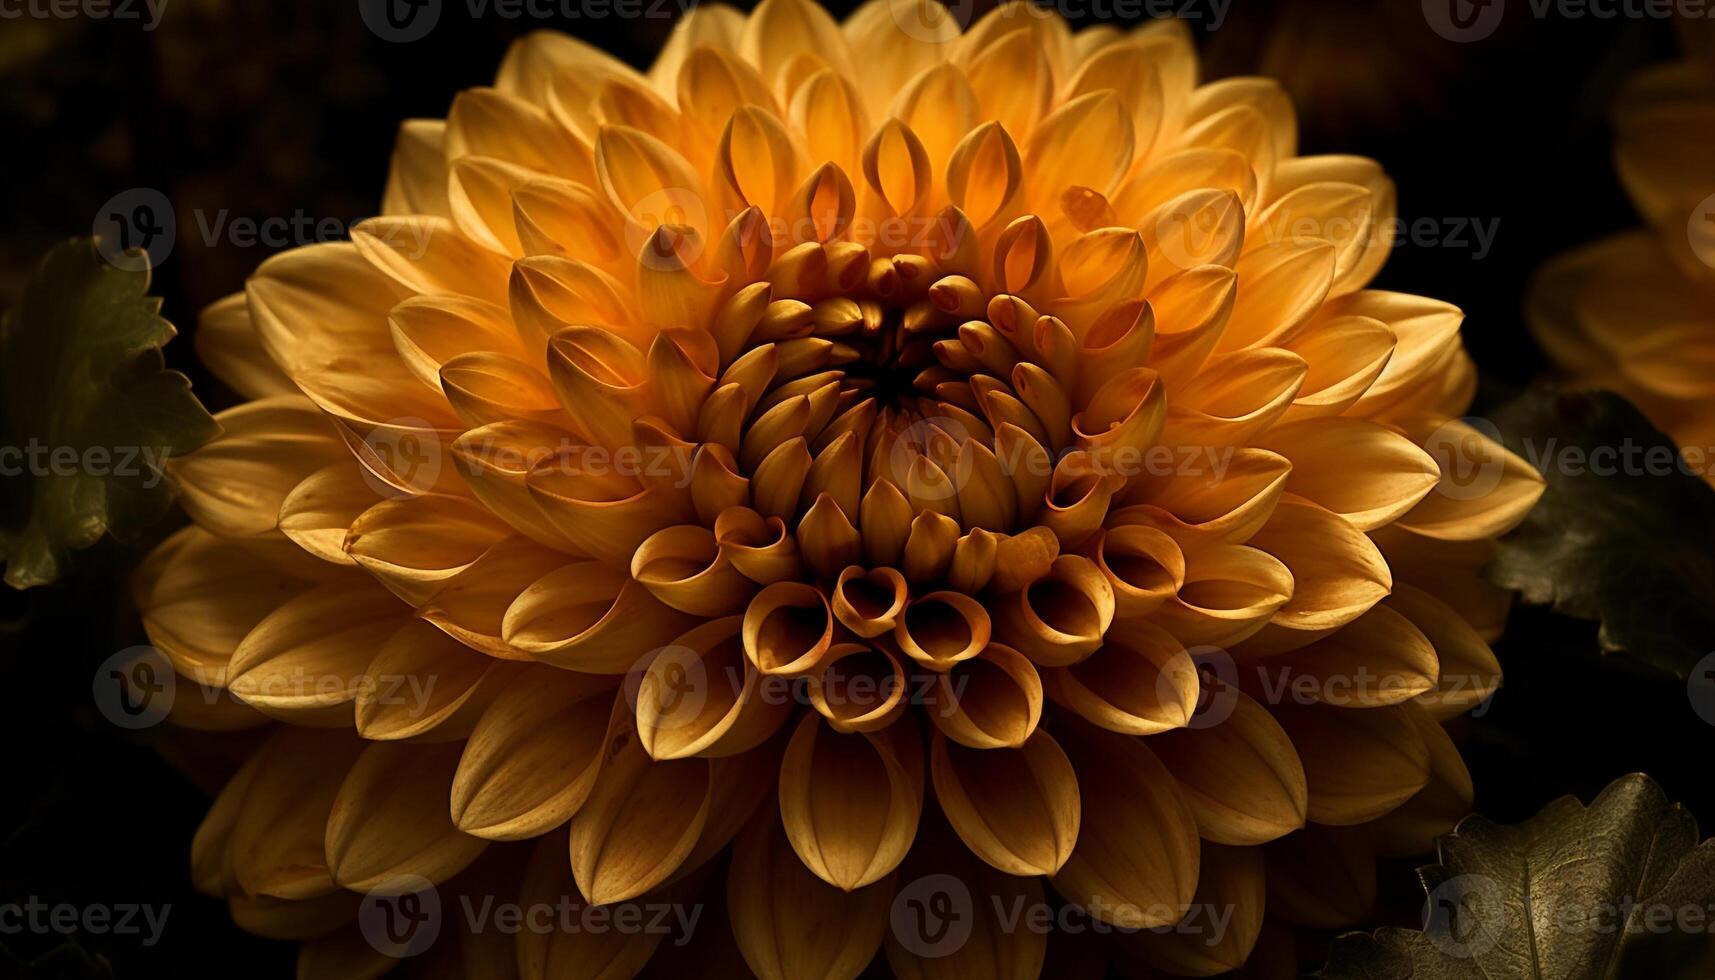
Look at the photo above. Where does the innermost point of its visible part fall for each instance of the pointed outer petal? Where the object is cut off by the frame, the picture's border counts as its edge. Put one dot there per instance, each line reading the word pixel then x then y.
pixel 1446 799
pixel 486 122
pixel 869 603
pixel 212 710
pixel 1427 331
pixel 827 538
pixel 294 919
pixel 227 344
pixel 830 114
pixel 1230 496
pixel 649 182
pixel 429 331
pixel 480 193
pixel 602 513
pixel 627 103
pixel 1230 593
pixel 1197 228
pixel 858 688
pixel 1144 566
pixel 743 785
pixel 1377 659
pixel 1017 809
pixel 930 547
pixel 1282 284
pixel 1141 682
pixel 233 486
pixel 414 545
pixel 1338 574
pixel 988 702
pixel 1135 79
pixel 425 254
pixel 1191 309
pixel 417 175
pixel 1484 491
pixel 776 905
pixel 495 462
pixel 1086 142
pixel 1013 82
pixel 1365 472
pixel 685 568
pixel 471 607
pixel 974 560
pixel 788 629
pixel 1322 877
pixel 757 163
pixel 1451 571
pixel 305 661
pixel 778 479
pixel 1235 397
pixel 1022 559
pixel 534 61
pixel 1469 672
pixel 941 629
pixel 1123 418
pixel 1136 860
pixel 641 822
pixel 1359 764
pixel 1335 212
pixel 885 516
pixel 850 803
pixel 714 25
pixel 712 84
pixel 600 379
pixel 1232 880
pixel 262 836
pixel 485 388
pixel 779 30
pixel 1102 268
pixel 1346 355
pixel 321 313
pixel 567 949
pixel 533 757
pixel 1177 173
pixel 555 216
pixel 317 514
pixel 895 40
pixel 939 106
pixel 425 683
pixel 896 170
pixel 548 292
pixel 762 549
pixel 700 696
pixel 992 941
pixel 590 617
pixel 1237 770
pixel 1215 121
pixel 389 817
pixel 985 176
pixel 1060 618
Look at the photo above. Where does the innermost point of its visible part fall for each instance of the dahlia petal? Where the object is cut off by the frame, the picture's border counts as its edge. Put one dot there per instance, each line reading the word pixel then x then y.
pixel 850 803
pixel 484 387
pixel 555 216
pixel 712 83
pixel 415 545
pixel 830 113
pixel 1126 70
pixel 1242 778
pixel 1179 172
pixel 603 514
pixel 417 176
pixel 548 292
pixel 318 513
pixel 788 629
pixel 494 462
pixel 762 549
pixel 1231 879
pixel 471 606
pixel 1191 312
pixel 1346 355
pixel 305 661
pixel 930 547
pixel 640 824
pixel 1136 861
pixel 1058 619
pixel 429 331
pixel 894 40
pixel 599 954
pixel 1451 571
pixel 779 910
pixel 480 193
pixel 425 254
pixel 1086 142
pixel 779 30
pixel 897 171
pixel 1461 507
pixel 974 561
pixel 1238 128
pixel 1200 227
pixel 1359 763
pixel 533 757
pixel 991 701
pixel 1012 77
pixel 1265 95
pixel 389 817
pixel 1235 397
pixel 1230 592
pixel 426 683
pixel 985 176
pixel 941 629
pixel 1144 566
pixel 1338 574
pixel 1366 473
pixel 885 517
pixel 869 603
pixel 1469 672
pixel 490 123
pixel 1427 330
pixel 1282 284
pixel 1377 659
pixel 1446 799
pixel 227 344
pixel 1230 503
pixel 234 485
pixel 757 163
pixel 858 688
pixel 684 567
pixel 701 696
pixel 1166 44
pixel 590 617
pixel 1123 418
pixel 539 59
pixel 827 538
pixel 1335 212
pixel 294 919
pixel 1017 809
pixel 1322 878
pixel 643 177
pixel 1140 682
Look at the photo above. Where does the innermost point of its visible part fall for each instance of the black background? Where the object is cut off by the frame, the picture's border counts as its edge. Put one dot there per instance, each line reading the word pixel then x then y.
pixel 276 109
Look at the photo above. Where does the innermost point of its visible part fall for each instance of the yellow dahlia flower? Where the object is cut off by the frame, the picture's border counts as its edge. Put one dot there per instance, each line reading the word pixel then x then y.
pixel 843 443
pixel 1635 313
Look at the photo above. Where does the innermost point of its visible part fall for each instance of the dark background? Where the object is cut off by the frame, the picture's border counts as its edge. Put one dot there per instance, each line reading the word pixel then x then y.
pixel 271 110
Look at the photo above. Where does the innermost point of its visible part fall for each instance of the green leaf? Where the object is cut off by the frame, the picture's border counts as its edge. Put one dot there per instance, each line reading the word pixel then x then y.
pixel 1623 532
pixel 88 412
pixel 1617 890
